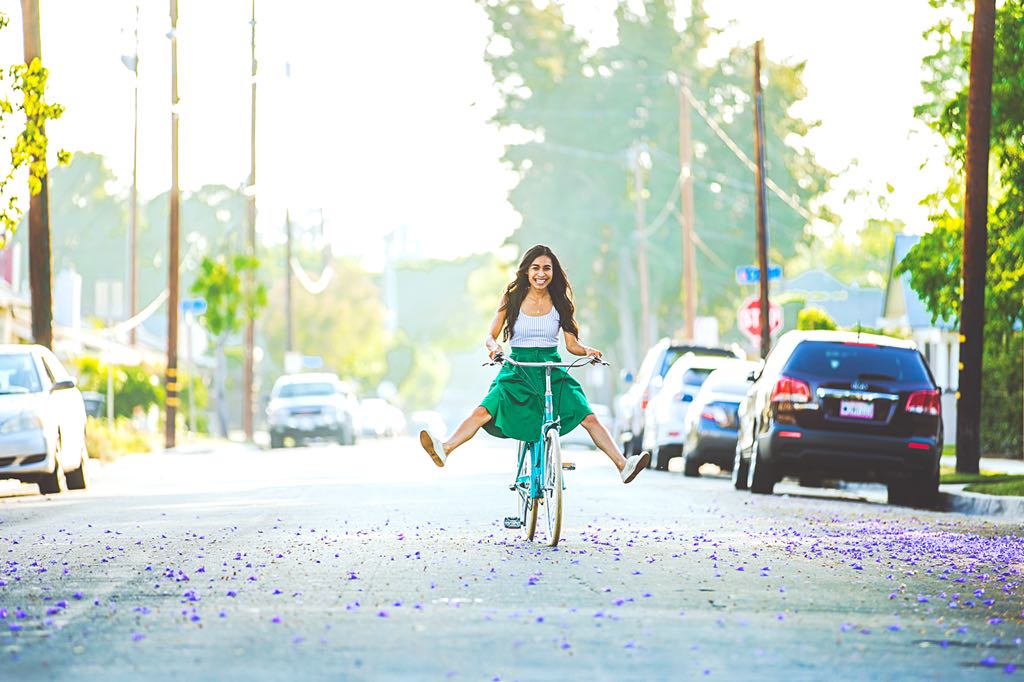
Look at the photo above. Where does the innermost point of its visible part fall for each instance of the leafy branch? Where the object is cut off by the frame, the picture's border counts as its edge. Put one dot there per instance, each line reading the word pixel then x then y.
pixel 29 150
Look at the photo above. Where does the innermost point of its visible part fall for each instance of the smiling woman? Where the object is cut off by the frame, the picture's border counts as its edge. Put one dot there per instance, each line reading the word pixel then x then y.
pixel 536 305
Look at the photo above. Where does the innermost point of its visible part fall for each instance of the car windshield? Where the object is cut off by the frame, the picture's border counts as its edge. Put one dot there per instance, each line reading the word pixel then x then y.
pixel 304 389
pixel 18 374
pixel 858 362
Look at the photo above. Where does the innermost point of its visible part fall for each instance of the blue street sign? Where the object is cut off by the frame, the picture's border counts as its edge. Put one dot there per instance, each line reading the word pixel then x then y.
pixel 751 274
pixel 196 306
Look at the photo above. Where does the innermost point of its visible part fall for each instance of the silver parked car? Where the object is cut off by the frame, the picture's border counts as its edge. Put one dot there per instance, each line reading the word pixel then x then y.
pixel 42 420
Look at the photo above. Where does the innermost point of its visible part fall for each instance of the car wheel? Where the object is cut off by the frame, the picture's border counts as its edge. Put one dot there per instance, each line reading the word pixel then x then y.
pixel 76 479
pixel 760 477
pixel 55 481
pixel 691 467
pixel 660 458
pixel 739 470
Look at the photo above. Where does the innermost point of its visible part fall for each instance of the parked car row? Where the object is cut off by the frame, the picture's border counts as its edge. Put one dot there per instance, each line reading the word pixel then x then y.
pixel 823 406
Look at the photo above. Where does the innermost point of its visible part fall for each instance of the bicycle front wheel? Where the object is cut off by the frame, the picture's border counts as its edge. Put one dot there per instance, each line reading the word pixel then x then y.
pixel 527 505
pixel 553 486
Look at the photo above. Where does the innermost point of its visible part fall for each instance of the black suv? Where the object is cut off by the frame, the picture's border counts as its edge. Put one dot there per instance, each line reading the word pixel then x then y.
pixel 842 405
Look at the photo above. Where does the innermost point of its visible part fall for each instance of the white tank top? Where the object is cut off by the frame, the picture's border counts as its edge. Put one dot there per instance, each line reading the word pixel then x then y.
pixel 536 331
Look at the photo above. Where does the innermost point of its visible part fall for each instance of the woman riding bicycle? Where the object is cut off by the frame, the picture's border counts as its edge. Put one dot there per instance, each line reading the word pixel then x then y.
pixel 535 306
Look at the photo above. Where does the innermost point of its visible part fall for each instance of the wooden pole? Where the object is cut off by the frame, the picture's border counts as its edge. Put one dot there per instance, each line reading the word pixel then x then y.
pixel 762 216
pixel 250 324
pixel 40 257
pixel 639 219
pixel 173 246
pixel 975 247
pixel 133 230
pixel 686 218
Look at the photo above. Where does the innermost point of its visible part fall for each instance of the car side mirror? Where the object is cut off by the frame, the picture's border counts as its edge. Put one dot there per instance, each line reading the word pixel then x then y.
pixel 752 375
pixel 64 385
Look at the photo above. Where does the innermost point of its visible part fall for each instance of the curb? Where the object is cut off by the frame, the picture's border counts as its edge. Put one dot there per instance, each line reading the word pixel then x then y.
pixel 977 504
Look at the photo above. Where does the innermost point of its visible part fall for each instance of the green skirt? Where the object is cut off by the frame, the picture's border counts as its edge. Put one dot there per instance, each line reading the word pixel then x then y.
pixel 516 397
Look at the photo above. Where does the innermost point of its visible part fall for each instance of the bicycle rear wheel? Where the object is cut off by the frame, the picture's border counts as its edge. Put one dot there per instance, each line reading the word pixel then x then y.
pixel 553 486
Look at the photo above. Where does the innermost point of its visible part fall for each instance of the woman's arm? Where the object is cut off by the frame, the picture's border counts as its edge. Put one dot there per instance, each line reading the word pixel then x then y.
pixel 573 345
pixel 493 347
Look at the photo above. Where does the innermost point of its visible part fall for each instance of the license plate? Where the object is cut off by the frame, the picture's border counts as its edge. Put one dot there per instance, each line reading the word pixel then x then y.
pixel 854 409
pixel 306 424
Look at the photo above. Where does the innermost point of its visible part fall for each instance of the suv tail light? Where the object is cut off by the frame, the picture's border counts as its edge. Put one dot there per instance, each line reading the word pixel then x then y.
pixel 646 398
pixel 924 402
pixel 789 390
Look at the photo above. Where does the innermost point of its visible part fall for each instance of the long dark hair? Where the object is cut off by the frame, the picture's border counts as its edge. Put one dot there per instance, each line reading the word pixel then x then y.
pixel 559 289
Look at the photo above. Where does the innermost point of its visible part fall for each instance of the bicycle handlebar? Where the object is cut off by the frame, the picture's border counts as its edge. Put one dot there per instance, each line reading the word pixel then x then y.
pixel 589 360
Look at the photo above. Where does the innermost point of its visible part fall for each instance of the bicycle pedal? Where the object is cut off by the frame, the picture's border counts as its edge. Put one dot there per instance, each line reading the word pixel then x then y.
pixel 568 466
pixel 513 522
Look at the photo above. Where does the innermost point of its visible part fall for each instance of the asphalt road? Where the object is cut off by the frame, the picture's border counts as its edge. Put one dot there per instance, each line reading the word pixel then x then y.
pixel 370 563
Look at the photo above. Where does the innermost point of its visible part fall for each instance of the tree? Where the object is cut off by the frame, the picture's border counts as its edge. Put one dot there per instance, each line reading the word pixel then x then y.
pixel 344 324
pixel 29 151
pixel 582 109
pixel 814 318
pixel 228 304
pixel 934 263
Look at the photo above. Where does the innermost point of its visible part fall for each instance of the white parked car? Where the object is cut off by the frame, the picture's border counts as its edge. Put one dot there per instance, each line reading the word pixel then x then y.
pixel 42 420
pixel 664 419
pixel 579 435
pixel 380 419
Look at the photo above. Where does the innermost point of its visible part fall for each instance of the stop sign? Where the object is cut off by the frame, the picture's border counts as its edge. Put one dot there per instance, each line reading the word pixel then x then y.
pixel 748 318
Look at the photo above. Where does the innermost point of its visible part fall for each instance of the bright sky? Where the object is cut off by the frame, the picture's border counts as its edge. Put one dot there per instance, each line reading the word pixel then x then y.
pixel 383 121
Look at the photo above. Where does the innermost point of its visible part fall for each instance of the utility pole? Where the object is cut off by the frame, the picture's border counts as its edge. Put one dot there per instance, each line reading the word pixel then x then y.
pixel 289 340
pixel 250 324
pixel 133 230
pixel 689 283
pixel 173 247
pixel 762 198
pixel 640 161
pixel 975 248
pixel 40 259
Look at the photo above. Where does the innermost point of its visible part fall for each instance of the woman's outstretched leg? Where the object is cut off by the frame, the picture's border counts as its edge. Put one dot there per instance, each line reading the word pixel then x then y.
pixel 439 451
pixel 628 468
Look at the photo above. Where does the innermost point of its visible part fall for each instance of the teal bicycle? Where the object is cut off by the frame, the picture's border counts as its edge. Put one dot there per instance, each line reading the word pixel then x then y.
pixel 539 469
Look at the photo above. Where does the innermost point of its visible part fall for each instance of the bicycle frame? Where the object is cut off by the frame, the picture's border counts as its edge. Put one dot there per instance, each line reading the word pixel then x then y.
pixel 532 483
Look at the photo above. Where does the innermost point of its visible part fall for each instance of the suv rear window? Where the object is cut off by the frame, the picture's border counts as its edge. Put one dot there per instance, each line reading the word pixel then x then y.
pixel 852 362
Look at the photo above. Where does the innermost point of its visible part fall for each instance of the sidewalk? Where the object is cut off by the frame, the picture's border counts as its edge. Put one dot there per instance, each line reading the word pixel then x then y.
pixel 953 497
pixel 1001 466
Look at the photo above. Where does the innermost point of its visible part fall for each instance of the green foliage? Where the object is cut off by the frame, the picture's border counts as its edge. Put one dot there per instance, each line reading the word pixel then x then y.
pixel 934 263
pixel 107 444
pixel 134 385
pixel 814 318
pixel 862 260
pixel 29 150
pixel 583 109
pixel 229 302
pixel 344 324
